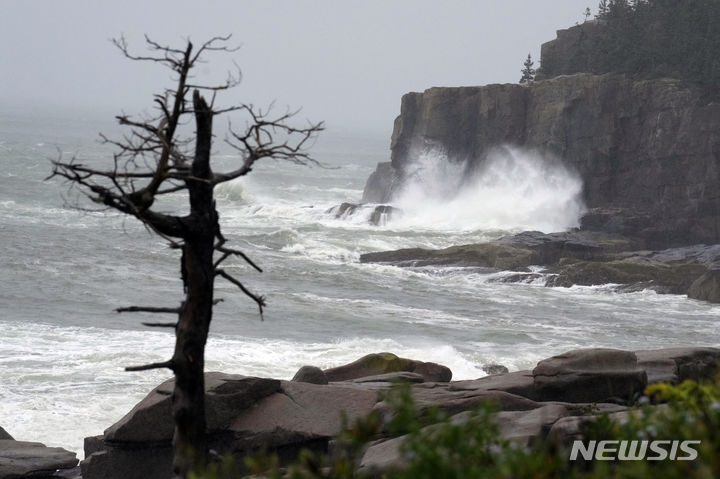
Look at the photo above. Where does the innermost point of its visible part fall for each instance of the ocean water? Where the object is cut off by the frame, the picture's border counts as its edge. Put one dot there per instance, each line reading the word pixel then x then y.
pixel 63 271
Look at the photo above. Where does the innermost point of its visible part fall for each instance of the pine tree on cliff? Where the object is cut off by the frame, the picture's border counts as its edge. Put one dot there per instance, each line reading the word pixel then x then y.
pixel 154 160
pixel 602 9
pixel 528 73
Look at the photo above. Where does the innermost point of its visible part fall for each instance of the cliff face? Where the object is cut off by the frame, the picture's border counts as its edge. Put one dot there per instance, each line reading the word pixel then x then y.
pixel 648 151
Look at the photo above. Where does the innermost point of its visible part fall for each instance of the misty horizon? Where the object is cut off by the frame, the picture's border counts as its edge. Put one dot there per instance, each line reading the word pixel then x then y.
pixel 345 64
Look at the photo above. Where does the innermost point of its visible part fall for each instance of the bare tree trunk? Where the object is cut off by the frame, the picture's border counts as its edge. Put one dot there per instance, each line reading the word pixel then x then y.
pixel 189 441
pixel 134 183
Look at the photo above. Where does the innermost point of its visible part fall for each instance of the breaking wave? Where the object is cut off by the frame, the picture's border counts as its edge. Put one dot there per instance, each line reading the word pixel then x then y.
pixel 513 189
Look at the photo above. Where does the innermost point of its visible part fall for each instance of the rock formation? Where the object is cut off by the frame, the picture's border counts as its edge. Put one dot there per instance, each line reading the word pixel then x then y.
pixel 32 459
pixel 246 415
pixel 648 151
pixel 578 257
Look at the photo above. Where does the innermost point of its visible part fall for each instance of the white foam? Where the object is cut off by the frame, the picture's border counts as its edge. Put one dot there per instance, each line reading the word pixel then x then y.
pixel 515 189
pixel 68 383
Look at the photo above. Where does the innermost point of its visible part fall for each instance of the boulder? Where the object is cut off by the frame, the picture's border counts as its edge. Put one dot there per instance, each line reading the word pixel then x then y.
pixel 519 383
pixel 494 369
pixel 665 276
pixel 520 426
pixel 32 459
pixel 391 378
pixel 589 375
pixel 93 444
pixel 378 215
pixel 675 365
pixel 382 214
pixel 428 395
pixel 706 287
pixel 382 455
pixel 570 428
pixel 227 395
pixel 310 374
pixel 300 412
pixel 138 446
pixel 528 426
pixel 343 210
pixel 382 363
pixel 141 462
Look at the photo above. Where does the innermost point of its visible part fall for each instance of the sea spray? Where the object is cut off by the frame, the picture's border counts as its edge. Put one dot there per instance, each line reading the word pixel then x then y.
pixel 513 189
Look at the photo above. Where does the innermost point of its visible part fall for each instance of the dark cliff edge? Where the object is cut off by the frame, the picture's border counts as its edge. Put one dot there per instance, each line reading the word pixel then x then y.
pixel 648 151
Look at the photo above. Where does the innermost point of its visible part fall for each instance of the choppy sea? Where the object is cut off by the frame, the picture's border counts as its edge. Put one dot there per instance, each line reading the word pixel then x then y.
pixel 64 271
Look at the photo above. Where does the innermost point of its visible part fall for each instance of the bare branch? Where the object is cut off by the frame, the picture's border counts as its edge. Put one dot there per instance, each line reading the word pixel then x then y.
pixel 258 141
pixel 260 300
pixel 164 365
pixel 227 252
pixel 147 309
pixel 160 325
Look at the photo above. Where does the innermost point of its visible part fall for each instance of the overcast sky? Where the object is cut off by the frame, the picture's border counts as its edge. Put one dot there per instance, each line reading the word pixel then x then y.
pixel 345 62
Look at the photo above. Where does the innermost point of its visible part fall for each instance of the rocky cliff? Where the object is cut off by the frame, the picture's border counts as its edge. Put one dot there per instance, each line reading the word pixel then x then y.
pixel 648 151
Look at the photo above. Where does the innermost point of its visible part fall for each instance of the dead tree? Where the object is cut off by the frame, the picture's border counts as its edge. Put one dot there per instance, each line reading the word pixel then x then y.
pixel 154 159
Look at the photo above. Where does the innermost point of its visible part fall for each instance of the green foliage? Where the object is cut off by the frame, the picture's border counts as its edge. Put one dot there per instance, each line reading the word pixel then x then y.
pixel 528 73
pixel 470 446
pixel 653 39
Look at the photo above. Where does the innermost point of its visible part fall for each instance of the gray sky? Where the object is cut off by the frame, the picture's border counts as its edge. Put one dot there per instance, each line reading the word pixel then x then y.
pixel 345 62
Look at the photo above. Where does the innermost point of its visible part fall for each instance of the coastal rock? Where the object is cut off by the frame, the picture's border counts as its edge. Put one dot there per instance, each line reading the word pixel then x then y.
pixel 428 396
pixel 706 287
pixel 493 369
pixel 32 459
pixel 520 383
pixel 143 462
pixel 514 252
pixel 4 435
pixel 377 215
pixel 226 396
pixel 382 455
pixel 379 184
pixel 577 258
pixel 382 363
pixel 646 150
pixel 488 255
pixel 665 277
pixel 300 410
pixel 283 417
pixel 310 374
pixel 675 365
pixel 528 426
pixel 397 377
pixel 139 444
pixel 590 375
pixel 522 427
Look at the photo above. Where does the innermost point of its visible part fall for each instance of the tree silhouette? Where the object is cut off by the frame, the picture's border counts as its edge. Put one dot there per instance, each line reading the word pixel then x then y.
pixel 153 160
pixel 602 9
pixel 528 73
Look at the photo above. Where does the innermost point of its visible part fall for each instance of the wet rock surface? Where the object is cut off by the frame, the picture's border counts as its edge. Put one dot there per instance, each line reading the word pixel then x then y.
pixel 556 397
pixel 20 459
pixel 374 214
pixel 579 258
pixel 646 150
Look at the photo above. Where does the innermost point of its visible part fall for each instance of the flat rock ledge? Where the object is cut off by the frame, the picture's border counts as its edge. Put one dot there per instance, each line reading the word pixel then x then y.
pixel 22 459
pixel 247 414
pixel 578 258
